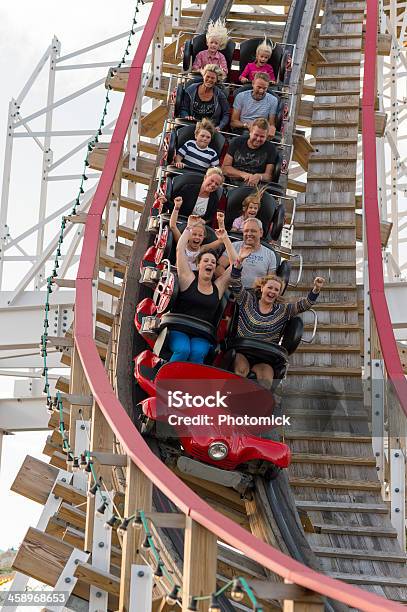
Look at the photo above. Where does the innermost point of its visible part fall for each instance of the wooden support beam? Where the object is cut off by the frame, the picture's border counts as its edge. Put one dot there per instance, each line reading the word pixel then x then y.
pixel 101 440
pixel 35 480
pixel 103 580
pixel 70 494
pixel 198 578
pixel 385 230
pixel 139 492
pixel 302 150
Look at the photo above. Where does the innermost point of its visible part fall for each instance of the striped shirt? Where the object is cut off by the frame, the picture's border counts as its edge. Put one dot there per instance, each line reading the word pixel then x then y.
pixel 196 158
pixel 264 327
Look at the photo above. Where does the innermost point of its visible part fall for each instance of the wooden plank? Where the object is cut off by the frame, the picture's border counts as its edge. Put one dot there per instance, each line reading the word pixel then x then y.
pixel 42 556
pixel 296 185
pixel 332 459
pixel 69 493
pixel 336 92
pixel 71 515
pixel 375 580
pixel 356 530
pixel 323 371
pixel 352 553
pixel 58 460
pixel 324 506
pixel 332 176
pixel 35 480
pixel 302 150
pixel 62 384
pixel 93 576
pixel 105 317
pixel 329 348
pixel 108 287
pixel 152 123
pixel 131 204
pixel 328 436
pixel 385 230
pixel 126 232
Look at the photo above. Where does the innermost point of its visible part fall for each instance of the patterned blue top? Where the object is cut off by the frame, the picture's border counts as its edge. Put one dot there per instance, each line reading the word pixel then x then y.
pixel 265 327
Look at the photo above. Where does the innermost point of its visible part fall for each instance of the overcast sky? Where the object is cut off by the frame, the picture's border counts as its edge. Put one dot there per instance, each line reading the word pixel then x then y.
pixel 26 30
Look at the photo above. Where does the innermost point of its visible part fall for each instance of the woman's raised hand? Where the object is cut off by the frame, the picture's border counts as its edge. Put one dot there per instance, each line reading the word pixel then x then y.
pixel 177 202
pixel 221 233
pixel 220 216
pixel 318 284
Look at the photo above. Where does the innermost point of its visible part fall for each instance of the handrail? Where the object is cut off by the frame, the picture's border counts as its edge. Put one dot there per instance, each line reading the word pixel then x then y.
pixel 371 208
pixel 133 443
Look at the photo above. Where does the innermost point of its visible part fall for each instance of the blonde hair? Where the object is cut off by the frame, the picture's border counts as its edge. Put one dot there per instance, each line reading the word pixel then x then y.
pixel 215 170
pixel 261 123
pixel 254 198
pixel 265 47
pixel 217 29
pixel 262 281
pixel 216 69
pixel 205 124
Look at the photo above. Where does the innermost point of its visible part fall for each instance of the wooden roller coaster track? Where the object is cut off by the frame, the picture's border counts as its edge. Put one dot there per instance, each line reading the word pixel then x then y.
pixel 327 511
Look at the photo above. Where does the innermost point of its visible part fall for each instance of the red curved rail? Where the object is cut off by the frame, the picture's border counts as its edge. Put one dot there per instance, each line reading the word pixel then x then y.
pixel 188 502
pixel 376 284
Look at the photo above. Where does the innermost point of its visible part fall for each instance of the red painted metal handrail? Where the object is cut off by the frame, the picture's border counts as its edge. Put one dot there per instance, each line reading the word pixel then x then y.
pixel 372 218
pixel 133 444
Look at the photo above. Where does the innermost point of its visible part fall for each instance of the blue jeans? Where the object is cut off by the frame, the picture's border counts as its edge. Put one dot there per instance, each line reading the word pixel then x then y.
pixel 185 348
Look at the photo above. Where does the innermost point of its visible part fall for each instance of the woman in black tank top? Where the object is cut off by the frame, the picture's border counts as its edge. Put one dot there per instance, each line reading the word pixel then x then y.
pixel 199 294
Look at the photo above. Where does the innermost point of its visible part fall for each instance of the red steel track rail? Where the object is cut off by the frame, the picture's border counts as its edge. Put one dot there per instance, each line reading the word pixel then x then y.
pixel 372 219
pixel 186 500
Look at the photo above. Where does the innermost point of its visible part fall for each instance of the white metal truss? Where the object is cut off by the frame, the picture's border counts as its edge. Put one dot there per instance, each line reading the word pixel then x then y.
pixel 20 126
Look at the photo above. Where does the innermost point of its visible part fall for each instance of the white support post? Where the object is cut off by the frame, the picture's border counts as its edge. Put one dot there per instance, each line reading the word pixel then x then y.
pixel 67 580
pixel 141 589
pixel 132 145
pixel 12 112
pixel 101 549
pixel 398 494
pixel 176 13
pixel 377 395
pixel 158 54
pixel 394 54
pixel 111 238
pixel 47 157
pixel 82 433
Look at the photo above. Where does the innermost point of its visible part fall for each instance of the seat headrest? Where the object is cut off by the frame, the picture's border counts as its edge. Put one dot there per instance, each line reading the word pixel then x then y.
pixel 234 206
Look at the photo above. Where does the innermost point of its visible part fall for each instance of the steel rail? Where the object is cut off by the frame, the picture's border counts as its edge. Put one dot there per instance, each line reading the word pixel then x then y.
pixel 372 218
pixel 133 444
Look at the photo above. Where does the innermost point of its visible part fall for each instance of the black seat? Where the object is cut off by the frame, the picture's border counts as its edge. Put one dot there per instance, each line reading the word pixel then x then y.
pixel 235 198
pixel 180 135
pixel 193 46
pixel 248 54
pixel 264 352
